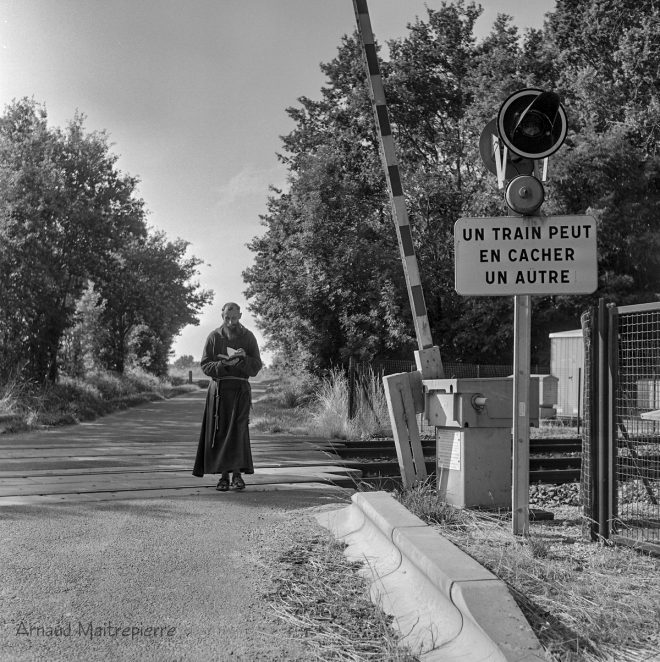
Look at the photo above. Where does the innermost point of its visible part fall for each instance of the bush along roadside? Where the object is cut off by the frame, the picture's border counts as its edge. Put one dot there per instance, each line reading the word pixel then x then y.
pixel 28 406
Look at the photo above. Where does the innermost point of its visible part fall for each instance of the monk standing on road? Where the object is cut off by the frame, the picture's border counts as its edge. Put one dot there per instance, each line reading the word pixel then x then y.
pixel 230 357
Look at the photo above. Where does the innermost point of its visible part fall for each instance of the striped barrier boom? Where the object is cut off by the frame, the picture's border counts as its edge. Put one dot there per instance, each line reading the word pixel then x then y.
pixel 391 167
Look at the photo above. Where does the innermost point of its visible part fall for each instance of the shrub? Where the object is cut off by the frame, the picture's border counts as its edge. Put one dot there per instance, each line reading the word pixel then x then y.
pixel 109 384
pixel 74 399
pixel 139 381
pixel 11 394
pixel 296 389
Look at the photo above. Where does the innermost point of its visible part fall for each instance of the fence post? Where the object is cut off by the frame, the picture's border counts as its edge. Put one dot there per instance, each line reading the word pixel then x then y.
pixel 612 378
pixel 589 470
pixel 351 387
pixel 603 421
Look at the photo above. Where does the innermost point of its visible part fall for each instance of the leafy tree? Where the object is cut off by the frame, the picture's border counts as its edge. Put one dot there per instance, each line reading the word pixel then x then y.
pixel 68 217
pixel 605 57
pixel 63 208
pixel 148 297
pixel 79 348
pixel 442 88
pixel 184 362
pixel 607 53
pixel 607 176
pixel 327 266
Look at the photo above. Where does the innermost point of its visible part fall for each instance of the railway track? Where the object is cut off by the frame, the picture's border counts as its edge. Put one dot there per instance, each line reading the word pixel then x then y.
pixel 554 460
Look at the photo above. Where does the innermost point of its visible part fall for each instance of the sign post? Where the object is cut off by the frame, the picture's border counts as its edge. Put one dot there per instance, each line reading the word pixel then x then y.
pixel 526 254
pixel 523 256
pixel 522 332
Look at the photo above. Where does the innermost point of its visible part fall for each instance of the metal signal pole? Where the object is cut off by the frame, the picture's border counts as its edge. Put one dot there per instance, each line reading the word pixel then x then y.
pixel 522 317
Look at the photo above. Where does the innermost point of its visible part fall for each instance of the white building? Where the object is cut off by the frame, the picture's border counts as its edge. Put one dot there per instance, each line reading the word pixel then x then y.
pixel 567 364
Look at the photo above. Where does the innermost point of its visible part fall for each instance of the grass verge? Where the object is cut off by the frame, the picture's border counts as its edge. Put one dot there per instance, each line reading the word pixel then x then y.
pixel 323 600
pixel 584 600
pixel 26 407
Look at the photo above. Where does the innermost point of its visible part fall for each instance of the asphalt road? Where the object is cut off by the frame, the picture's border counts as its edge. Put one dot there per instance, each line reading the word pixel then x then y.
pixel 111 550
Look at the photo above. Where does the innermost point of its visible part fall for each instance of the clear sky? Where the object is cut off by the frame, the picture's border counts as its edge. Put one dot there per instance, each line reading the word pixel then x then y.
pixel 193 95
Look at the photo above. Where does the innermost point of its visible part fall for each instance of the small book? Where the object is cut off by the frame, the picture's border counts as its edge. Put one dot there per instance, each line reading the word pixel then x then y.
pixel 229 355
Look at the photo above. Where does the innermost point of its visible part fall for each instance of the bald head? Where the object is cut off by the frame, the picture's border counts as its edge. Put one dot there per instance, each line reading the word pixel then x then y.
pixel 230 305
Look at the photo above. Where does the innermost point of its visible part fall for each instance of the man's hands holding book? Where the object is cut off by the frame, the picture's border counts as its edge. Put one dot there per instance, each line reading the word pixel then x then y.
pixel 232 357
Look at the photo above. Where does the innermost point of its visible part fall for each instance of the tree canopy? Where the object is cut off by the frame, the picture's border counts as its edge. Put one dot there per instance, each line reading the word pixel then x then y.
pixel 69 218
pixel 327 283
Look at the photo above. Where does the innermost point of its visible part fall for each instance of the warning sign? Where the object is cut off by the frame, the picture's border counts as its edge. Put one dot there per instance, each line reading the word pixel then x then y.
pixel 517 255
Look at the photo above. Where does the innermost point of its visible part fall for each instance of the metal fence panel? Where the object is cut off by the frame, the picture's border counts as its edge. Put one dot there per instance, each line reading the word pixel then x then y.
pixel 637 396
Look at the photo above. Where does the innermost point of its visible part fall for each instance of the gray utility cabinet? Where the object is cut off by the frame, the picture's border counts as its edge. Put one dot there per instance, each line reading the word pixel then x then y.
pixel 473 419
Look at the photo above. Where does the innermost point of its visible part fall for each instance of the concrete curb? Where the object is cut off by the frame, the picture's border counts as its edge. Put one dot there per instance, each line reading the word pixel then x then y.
pixel 446 605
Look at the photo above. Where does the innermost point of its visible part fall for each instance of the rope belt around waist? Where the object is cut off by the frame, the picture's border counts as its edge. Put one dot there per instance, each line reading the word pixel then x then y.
pixel 216 415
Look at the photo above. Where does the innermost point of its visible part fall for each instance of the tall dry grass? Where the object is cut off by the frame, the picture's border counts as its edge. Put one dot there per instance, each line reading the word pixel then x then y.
pixel 303 404
pixel 323 600
pixel 585 601
pixel 330 408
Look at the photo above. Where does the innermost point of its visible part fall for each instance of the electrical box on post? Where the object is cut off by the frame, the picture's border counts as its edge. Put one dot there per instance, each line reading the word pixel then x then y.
pixel 472 419
pixel 474 402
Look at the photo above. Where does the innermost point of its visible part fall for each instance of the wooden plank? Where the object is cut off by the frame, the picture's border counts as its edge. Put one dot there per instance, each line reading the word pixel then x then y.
pixel 417 389
pixel 392 387
pixel 413 433
pixel 398 393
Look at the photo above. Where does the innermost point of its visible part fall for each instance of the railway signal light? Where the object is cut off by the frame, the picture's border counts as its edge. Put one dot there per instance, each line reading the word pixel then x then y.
pixel 529 127
pixel 532 123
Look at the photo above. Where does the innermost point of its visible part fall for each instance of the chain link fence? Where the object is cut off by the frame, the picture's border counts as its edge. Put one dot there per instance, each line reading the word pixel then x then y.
pixel 637 402
pixel 621 434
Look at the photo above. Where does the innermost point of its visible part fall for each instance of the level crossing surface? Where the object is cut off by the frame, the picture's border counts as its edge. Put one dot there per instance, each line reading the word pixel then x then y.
pixel 111 549
pixel 146 451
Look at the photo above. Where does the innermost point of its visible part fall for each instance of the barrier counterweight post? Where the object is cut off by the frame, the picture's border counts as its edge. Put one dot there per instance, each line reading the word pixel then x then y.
pixel 391 167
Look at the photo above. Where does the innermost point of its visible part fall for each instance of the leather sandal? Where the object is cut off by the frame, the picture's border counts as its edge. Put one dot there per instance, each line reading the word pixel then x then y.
pixel 223 485
pixel 238 483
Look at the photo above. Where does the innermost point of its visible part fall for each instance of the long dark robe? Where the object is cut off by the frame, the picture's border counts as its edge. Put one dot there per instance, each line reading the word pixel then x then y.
pixel 224 440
